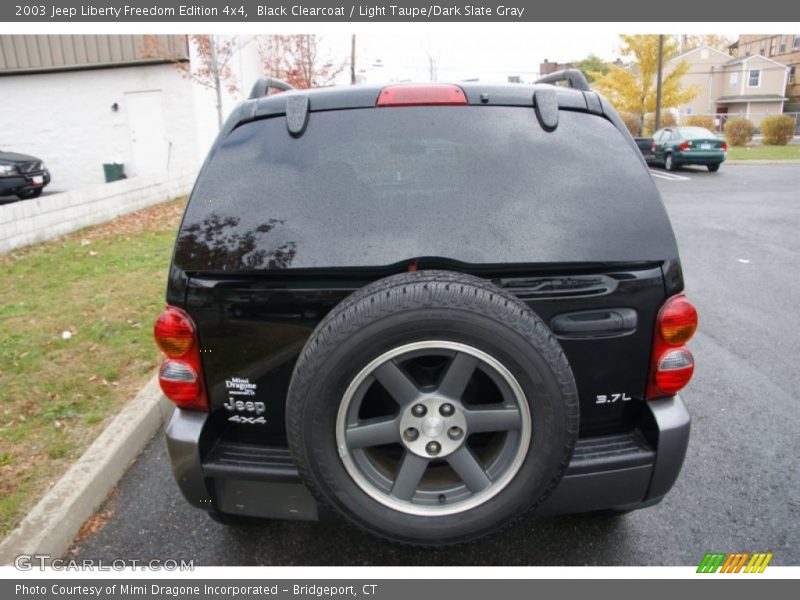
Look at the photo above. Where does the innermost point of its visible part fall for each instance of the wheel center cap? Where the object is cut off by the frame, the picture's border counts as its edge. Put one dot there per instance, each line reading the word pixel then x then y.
pixel 433 427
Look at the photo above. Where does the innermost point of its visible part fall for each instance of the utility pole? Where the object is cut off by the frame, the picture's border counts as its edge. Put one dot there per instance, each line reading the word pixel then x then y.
pixel 658 82
pixel 353 60
pixel 433 68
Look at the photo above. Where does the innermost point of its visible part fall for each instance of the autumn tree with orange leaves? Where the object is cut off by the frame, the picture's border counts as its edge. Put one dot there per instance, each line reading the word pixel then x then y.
pixel 212 69
pixel 298 60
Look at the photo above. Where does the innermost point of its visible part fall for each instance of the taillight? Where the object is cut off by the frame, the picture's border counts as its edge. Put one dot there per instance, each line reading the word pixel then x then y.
pixel 421 95
pixel 677 320
pixel 724 146
pixel 174 332
pixel 672 365
pixel 673 371
pixel 180 375
pixel 684 146
pixel 653 147
pixel 178 381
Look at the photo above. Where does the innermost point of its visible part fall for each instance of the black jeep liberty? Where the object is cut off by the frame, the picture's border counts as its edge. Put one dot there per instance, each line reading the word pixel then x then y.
pixel 429 309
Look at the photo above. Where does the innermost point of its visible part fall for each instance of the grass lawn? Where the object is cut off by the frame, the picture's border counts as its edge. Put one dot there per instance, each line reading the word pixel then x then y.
pixel 105 286
pixel 764 153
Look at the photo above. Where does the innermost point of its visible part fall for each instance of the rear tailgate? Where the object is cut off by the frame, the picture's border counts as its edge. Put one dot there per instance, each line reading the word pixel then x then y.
pixel 254 331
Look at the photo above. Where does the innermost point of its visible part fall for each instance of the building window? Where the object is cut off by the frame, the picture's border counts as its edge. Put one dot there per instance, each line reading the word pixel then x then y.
pixel 747 50
pixel 754 78
pixel 762 49
pixel 796 44
pixel 792 74
pixel 734 78
pixel 783 44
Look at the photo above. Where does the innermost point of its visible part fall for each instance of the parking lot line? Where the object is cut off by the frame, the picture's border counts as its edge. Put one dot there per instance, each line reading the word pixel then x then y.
pixel 668 176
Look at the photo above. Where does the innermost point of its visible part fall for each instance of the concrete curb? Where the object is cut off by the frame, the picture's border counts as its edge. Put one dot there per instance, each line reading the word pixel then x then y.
pixel 762 161
pixel 52 524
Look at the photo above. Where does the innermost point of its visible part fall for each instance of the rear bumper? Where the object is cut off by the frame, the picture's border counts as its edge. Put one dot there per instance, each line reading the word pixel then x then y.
pixel 698 158
pixel 610 472
pixel 619 481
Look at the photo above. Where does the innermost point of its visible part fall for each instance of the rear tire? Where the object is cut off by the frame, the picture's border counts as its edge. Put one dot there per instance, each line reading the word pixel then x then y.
pixel 713 168
pixel 457 348
pixel 669 163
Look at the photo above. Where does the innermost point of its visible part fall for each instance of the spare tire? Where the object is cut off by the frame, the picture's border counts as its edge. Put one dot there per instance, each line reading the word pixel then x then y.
pixel 432 408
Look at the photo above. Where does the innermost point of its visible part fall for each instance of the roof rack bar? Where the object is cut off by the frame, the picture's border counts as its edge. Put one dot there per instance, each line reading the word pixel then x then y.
pixel 262 86
pixel 575 77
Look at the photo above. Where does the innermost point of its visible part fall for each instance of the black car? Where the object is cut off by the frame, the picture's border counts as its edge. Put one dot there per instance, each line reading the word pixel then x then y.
pixel 22 176
pixel 428 309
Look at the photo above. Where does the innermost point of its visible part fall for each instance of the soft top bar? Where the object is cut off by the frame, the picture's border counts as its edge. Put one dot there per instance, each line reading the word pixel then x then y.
pixel 262 86
pixel 575 78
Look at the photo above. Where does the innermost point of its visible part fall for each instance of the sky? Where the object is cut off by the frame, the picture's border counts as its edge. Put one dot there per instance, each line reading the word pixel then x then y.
pixel 491 57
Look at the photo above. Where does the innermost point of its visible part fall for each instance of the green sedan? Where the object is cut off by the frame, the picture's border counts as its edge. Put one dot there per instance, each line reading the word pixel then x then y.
pixel 677 146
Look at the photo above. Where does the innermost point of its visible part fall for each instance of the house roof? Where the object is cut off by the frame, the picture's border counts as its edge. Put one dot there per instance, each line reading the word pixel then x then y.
pixel 750 98
pixel 744 59
pixel 684 54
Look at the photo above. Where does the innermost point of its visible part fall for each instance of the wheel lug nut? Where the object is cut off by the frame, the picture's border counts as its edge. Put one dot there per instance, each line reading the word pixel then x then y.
pixel 419 410
pixel 455 433
pixel 446 409
pixel 411 434
pixel 433 448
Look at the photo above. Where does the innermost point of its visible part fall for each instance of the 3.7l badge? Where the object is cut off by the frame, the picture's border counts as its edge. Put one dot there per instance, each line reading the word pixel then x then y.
pixel 612 398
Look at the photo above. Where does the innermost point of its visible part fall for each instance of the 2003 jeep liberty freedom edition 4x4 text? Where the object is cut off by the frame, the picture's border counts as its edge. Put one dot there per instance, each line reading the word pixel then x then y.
pixel 428 309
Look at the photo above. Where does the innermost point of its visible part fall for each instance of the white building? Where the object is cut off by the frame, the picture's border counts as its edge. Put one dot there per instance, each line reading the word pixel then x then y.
pixel 79 101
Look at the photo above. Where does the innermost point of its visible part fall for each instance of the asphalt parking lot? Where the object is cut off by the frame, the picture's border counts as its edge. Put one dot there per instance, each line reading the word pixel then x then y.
pixel 739 491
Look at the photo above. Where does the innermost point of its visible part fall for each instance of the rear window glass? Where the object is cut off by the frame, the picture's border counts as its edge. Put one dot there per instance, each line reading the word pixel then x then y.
pixel 696 133
pixel 375 186
pixel 400 154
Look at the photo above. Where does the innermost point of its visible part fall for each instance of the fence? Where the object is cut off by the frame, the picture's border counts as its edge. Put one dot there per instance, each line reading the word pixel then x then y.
pixel 755 116
pixel 50 216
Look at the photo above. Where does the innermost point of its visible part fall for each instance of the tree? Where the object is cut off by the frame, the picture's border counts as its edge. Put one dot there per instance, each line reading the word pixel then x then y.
pixel 298 60
pixel 212 69
pixel 591 66
pixel 689 42
pixel 634 89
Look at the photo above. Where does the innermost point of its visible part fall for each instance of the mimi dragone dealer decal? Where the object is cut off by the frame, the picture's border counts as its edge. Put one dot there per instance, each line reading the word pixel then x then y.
pixel 240 394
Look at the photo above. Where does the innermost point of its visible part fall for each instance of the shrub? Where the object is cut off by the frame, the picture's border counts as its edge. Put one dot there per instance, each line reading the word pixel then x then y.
pixel 667 120
pixel 777 130
pixel 739 131
pixel 631 121
pixel 706 121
